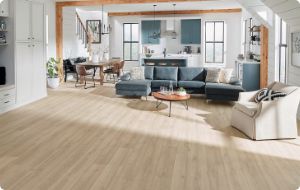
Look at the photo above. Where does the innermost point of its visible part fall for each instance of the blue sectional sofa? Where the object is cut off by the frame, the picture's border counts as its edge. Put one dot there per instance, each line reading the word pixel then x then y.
pixel 190 78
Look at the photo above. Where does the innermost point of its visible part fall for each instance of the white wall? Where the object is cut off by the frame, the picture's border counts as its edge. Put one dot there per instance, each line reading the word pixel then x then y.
pixel 232 36
pixel 72 45
pixel 51 32
pixel 293 72
pixel 116 38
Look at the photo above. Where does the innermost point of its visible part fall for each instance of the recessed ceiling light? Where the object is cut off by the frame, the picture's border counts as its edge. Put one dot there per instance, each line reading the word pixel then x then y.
pixel 298 1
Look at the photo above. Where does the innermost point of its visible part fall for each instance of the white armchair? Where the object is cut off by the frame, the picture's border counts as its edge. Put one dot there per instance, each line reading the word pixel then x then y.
pixel 275 119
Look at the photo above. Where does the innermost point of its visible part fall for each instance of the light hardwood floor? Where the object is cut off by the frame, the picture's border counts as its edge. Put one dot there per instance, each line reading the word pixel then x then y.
pixel 78 139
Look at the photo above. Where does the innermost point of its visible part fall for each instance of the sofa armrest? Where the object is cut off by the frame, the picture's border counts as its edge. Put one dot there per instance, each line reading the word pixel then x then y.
pixel 287 105
pixel 235 81
pixel 246 96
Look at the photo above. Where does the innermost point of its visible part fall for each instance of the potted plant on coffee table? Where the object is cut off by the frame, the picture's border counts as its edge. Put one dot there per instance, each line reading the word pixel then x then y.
pixel 181 92
pixel 52 70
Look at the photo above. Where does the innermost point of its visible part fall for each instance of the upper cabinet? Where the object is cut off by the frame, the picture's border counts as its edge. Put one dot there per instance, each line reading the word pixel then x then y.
pixel 4 8
pixel 148 29
pixel 37 33
pixel 191 31
pixel 23 20
pixel 29 16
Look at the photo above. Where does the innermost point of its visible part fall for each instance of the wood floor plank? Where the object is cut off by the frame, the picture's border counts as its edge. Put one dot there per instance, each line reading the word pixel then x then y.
pixel 92 139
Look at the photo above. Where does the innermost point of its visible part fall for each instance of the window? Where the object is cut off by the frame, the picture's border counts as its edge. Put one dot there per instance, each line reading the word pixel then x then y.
pixel 281 40
pixel 244 37
pixel 282 52
pixel 214 42
pixel 131 41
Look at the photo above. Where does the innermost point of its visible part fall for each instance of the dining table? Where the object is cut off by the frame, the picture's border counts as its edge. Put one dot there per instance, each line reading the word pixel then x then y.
pixel 101 64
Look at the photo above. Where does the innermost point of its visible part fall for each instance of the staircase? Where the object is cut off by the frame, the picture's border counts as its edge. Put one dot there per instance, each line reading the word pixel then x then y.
pixel 82 33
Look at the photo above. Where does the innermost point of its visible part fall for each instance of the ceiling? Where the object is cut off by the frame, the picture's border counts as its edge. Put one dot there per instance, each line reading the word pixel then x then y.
pixel 191 5
pixel 288 10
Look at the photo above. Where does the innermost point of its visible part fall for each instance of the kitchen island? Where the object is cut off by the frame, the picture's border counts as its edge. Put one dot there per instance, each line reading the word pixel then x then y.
pixel 175 60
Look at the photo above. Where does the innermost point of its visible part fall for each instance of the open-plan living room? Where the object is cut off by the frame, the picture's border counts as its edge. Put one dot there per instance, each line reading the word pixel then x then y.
pixel 149 94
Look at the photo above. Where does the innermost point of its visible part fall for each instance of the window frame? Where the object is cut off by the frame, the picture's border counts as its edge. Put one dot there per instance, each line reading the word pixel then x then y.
pixel 214 42
pixel 282 45
pixel 129 42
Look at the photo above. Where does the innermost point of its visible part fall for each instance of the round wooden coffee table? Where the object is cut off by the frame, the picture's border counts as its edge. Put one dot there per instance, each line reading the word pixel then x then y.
pixel 170 98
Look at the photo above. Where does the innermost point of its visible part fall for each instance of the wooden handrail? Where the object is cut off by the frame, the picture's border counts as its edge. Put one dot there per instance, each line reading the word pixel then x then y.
pixel 81 30
pixel 80 21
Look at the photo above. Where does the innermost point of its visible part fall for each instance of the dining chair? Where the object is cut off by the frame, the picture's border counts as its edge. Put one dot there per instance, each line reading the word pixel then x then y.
pixel 115 71
pixel 82 72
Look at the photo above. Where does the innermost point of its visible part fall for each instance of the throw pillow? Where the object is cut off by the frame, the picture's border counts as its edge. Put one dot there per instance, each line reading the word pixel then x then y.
pixel 137 73
pixel 225 75
pixel 213 75
pixel 266 94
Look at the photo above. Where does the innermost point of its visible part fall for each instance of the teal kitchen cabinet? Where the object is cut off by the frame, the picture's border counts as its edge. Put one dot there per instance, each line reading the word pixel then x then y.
pixel 148 28
pixel 191 31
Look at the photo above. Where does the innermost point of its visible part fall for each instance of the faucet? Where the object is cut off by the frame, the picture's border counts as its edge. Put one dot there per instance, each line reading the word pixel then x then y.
pixel 165 52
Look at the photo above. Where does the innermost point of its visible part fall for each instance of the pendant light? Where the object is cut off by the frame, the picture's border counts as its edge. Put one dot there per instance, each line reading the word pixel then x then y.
pixel 174 34
pixel 104 29
pixel 155 34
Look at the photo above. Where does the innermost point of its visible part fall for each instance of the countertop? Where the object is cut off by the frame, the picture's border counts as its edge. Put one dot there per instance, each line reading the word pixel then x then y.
pixel 170 56
pixel 247 61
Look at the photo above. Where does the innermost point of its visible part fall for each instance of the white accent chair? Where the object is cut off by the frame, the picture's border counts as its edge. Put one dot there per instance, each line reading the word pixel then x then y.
pixel 275 119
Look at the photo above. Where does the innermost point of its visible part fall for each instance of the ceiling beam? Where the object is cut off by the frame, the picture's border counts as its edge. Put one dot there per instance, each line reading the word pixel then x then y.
pixel 178 12
pixel 100 2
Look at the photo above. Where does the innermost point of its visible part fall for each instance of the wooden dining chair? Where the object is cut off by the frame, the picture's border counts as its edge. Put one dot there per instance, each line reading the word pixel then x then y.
pixel 83 73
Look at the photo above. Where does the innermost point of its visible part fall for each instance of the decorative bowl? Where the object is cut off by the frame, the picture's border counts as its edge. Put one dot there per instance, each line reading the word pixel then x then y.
pixel 148 55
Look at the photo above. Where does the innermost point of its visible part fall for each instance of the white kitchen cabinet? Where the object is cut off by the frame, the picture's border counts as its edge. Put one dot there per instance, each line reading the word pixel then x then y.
pixel 31 72
pixel 4 8
pixel 24 72
pixel 38 71
pixel 23 21
pixel 30 52
pixel 37 21
pixel 29 19
pixel 7 97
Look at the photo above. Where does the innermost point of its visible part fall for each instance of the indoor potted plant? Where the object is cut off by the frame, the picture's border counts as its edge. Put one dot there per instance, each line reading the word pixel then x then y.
pixel 181 92
pixel 52 70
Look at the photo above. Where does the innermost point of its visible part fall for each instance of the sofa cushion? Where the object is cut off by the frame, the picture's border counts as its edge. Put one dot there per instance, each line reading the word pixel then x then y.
pixel 191 84
pixel 213 75
pixel 159 83
pixel 137 73
pixel 191 74
pixel 148 72
pixel 225 75
pixel 248 108
pixel 222 89
pixel 134 85
pixel 165 73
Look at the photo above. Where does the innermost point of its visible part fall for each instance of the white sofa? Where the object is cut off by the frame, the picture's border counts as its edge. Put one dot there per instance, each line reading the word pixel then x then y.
pixel 275 119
